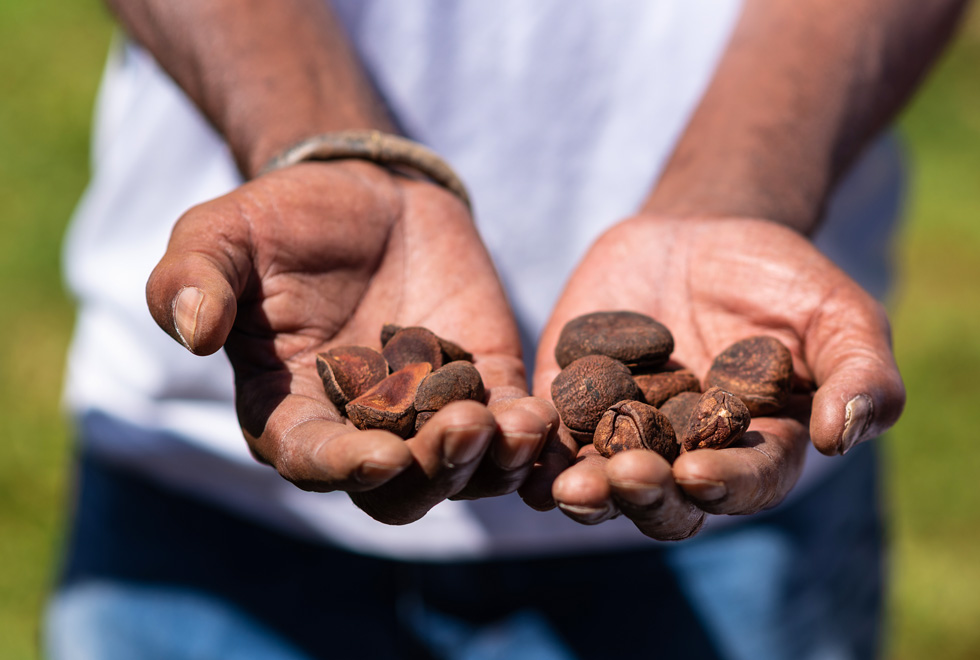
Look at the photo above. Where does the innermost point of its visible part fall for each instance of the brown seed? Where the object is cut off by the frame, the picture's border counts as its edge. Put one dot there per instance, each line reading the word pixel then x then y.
pixel 659 387
pixel 451 351
pixel 634 339
pixel 586 388
pixel 719 419
pixel 758 370
pixel 411 345
pixel 678 410
pixel 635 425
pixel 348 372
pixel 455 381
pixel 390 405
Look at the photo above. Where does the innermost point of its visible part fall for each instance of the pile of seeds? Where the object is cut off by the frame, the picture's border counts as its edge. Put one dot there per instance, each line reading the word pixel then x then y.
pixel 615 391
pixel 398 389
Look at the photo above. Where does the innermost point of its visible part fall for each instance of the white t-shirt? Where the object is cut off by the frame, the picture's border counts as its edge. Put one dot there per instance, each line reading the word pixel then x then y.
pixel 559 116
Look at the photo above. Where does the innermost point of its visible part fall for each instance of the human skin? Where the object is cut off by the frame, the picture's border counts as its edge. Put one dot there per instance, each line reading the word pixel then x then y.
pixel 322 254
pixel 800 90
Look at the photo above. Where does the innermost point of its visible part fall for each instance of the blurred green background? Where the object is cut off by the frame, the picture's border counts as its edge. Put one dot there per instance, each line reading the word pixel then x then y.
pixel 51 54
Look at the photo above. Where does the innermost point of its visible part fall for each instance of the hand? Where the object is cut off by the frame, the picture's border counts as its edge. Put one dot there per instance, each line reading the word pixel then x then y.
pixel 322 254
pixel 713 282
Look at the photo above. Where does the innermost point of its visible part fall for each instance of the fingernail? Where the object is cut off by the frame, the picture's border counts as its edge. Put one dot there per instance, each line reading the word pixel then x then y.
pixel 375 474
pixel 187 304
pixel 857 418
pixel 587 514
pixel 638 494
pixel 705 490
pixel 515 451
pixel 464 444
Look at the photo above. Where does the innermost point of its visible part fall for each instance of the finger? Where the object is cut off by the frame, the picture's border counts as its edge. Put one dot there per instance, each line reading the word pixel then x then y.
pixel 754 474
pixel 860 392
pixel 583 492
pixel 643 488
pixel 192 293
pixel 445 454
pixel 561 450
pixel 312 447
pixel 557 454
pixel 521 432
pixel 525 424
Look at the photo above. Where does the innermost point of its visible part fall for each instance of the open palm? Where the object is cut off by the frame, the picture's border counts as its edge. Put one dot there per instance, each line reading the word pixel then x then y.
pixel 713 282
pixel 322 254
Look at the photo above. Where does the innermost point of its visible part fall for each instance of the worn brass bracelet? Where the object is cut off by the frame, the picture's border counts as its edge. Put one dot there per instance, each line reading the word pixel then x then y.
pixel 377 147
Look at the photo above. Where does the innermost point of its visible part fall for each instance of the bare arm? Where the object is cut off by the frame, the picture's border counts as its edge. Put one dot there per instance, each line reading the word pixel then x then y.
pixel 801 89
pixel 266 73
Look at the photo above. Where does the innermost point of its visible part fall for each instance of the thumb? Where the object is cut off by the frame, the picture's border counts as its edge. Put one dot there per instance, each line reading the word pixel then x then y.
pixel 192 293
pixel 860 393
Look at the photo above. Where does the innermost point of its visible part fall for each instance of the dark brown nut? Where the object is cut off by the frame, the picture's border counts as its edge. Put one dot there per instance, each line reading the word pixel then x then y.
pixel 451 351
pixel 659 387
pixel 757 370
pixel 585 389
pixel 635 425
pixel 634 339
pixel 348 372
pixel 411 345
pixel 390 405
pixel 678 410
pixel 455 381
pixel 718 420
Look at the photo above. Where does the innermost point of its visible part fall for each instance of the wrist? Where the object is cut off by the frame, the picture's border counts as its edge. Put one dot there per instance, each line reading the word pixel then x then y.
pixel 382 149
pixel 790 195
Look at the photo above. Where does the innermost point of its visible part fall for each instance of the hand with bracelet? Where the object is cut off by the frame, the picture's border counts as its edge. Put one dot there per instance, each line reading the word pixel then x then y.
pixel 311 255
pixel 718 253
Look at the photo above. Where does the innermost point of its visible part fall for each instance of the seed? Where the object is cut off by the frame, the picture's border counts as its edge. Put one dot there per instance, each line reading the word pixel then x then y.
pixel 658 387
pixel 455 381
pixel 718 420
pixel 634 339
pixel 587 387
pixel 635 425
pixel 451 351
pixel 390 405
pixel 678 410
pixel 411 345
pixel 758 370
pixel 348 372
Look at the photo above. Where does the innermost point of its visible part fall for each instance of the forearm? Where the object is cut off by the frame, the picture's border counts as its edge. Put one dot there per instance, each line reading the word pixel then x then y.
pixel 266 73
pixel 800 90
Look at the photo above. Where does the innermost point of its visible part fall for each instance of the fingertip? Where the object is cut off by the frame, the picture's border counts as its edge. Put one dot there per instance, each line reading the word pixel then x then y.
pixel 844 415
pixel 520 439
pixel 192 303
pixel 455 436
pixel 583 490
pixel 639 466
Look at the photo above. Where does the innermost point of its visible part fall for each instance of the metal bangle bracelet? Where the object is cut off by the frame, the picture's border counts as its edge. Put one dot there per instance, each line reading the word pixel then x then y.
pixel 376 147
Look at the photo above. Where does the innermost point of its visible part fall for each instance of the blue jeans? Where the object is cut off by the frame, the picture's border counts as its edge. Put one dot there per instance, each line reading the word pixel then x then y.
pixel 150 573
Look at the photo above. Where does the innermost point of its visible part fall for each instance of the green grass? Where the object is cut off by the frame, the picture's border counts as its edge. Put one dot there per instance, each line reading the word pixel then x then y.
pixel 52 53
pixel 932 456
